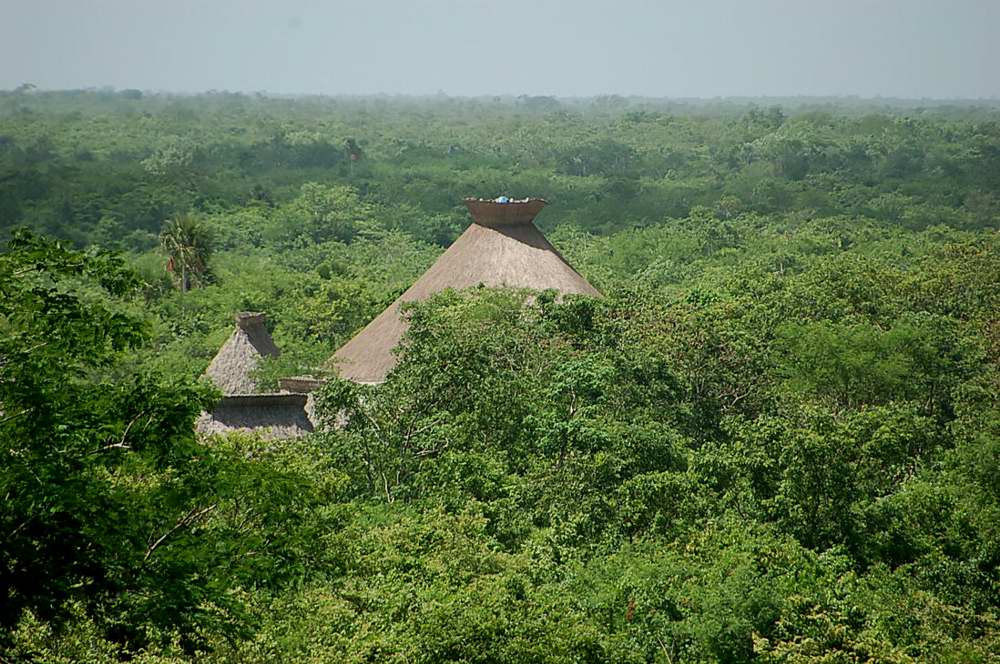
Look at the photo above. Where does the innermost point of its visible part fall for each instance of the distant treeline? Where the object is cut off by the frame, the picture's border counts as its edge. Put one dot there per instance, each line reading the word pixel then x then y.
pixel 110 167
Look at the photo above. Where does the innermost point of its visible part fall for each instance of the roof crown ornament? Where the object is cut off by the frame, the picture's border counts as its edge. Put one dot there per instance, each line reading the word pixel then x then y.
pixel 504 211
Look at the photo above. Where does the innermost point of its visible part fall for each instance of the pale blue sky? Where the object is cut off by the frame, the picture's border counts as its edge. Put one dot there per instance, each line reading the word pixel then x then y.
pixel 692 48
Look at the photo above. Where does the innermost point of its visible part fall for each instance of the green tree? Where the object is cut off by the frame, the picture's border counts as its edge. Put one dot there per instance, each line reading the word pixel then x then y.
pixel 72 421
pixel 111 505
pixel 188 246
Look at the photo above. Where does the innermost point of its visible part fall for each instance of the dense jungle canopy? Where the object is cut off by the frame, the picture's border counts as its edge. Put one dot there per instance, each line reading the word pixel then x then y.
pixel 776 438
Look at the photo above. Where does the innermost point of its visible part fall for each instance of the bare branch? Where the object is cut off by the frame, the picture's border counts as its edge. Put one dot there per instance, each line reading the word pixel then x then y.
pixel 191 517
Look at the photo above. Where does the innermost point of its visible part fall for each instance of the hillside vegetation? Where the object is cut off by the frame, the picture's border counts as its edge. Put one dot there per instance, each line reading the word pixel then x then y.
pixel 777 438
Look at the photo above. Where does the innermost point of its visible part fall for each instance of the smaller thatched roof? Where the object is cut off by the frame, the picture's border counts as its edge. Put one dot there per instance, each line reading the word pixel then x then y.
pixel 242 408
pixel 233 366
pixel 269 415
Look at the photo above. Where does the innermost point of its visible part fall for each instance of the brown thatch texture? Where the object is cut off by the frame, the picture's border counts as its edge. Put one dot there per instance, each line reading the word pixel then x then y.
pixel 232 368
pixel 513 253
pixel 306 385
pixel 300 384
pixel 268 415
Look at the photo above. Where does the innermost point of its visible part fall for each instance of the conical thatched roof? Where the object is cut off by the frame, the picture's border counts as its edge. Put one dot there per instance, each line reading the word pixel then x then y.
pixel 243 407
pixel 501 248
pixel 232 368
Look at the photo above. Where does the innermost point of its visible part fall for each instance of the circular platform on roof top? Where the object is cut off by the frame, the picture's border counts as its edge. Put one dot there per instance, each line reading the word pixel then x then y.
pixel 490 212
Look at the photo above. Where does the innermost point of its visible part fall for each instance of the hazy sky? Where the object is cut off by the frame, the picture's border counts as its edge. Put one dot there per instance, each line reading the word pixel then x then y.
pixel 670 48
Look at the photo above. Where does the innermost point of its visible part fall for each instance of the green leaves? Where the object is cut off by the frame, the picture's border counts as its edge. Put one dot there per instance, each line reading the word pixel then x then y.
pixel 322 213
pixel 774 440
pixel 110 504
pixel 188 245
pixel 920 359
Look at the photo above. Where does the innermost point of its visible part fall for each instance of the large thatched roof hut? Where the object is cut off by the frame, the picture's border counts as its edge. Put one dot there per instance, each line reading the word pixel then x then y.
pixel 243 407
pixel 502 247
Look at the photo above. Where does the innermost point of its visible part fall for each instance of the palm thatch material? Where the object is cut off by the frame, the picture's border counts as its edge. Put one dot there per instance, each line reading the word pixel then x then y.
pixel 242 408
pixel 501 248
pixel 232 368
pixel 300 384
pixel 270 416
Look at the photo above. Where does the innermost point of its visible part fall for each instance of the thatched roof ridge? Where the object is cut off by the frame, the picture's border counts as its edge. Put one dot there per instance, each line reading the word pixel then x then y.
pixel 300 384
pixel 506 250
pixel 233 366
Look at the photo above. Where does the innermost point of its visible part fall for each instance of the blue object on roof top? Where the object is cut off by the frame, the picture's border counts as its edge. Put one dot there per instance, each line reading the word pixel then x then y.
pixel 503 199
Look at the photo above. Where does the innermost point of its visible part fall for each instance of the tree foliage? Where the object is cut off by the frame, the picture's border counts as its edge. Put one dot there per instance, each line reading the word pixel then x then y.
pixel 775 438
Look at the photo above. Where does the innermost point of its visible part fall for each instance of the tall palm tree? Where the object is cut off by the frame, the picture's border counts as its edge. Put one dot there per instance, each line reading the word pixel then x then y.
pixel 354 153
pixel 188 246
